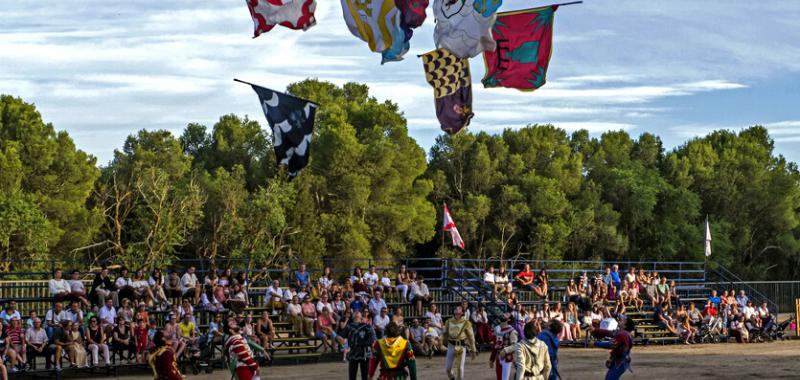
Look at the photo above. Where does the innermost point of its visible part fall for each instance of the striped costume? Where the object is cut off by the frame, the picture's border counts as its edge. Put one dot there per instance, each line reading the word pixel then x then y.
pixel 238 351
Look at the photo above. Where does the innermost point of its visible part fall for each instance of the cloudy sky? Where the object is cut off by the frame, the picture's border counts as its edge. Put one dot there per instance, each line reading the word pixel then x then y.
pixel 679 69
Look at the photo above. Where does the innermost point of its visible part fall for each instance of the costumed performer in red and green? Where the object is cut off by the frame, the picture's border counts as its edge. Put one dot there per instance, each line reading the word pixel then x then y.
pixel 394 355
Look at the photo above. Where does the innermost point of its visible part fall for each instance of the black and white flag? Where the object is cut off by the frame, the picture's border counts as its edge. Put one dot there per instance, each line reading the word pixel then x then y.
pixel 292 123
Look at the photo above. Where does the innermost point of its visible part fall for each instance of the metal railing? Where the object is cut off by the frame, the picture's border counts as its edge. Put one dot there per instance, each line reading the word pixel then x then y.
pixel 782 293
pixel 725 276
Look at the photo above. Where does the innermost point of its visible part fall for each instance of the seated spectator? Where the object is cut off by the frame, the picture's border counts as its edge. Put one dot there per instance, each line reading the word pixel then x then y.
pixel 123 284
pixel 339 306
pixel 633 296
pixel 525 278
pixel 662 318
pixel 96 342
pixel 686 331
pixel 301 277
pixel 190 287
pixel 325 330
pixel 38 343
pixel 274 297
pixel 265 330
pixel 126 312
pixel 77 288
pixel 59 287
pixel 488 276
pixel 103 287
pixel 737 328
pixel 188 333
pixel 289 293
pixel 380 322
pixel 357 304
pixel 171 331
pixel 630 277
pixel 710 310
pixel 763 314
pixel 376 303
pixel 186 311
pixel 663 290
pixel 501 281
pixel 323 303
pixel 294 311
pixel 608 278
pixel 141 288
pixel 403 282
pixel 673 293
pixel 10 312
pixel 749 312
pixel 419 295
pixel 238 300
pixel 360 287
pixel 325 281
pixel 742 299
pixel 123 340
pixel 212 278
pixel 54 317
pixel 75 314
pixel 615 278
pixel 225 280
pixel 417 338
pixel 651 291
pixel 572 322
pixel 371 278
pixel 15 345
pixel 435 318
pixel 310 314
pixel 212 299
pixel 715 299
pixel 172 285
pixel 75 346
pixel 541 283
pixel 156 283
pixel 385 284
pixel 433 339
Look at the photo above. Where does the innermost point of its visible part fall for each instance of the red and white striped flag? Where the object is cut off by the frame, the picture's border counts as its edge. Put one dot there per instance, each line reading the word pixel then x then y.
pixel 450 225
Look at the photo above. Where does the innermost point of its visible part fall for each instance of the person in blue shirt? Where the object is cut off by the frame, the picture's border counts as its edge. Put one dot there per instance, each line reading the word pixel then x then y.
pixel 357 304
pixel 550 338
pixel 715 299
pixel 615 277
pixel 301 277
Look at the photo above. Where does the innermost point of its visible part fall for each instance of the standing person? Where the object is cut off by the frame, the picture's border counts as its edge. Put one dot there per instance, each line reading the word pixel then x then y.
pixel 621 345
pixel 360 339
pixel 162 360
pixel 394 354
pixel 458 336
pixel 531 359
pixel 238 352
pixel 505 336
pixel 550 338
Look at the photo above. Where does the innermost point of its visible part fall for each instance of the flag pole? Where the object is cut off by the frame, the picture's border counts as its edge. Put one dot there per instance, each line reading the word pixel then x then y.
pixel 570 3
pixel 289 95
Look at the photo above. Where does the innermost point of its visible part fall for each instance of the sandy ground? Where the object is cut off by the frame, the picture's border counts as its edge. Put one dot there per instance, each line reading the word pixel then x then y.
pixel 779 360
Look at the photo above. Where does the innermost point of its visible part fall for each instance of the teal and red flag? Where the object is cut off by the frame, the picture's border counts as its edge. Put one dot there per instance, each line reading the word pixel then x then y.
pixel 524 44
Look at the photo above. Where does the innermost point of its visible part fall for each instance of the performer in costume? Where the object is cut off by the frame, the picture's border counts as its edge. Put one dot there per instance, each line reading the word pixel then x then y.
pixel 531 359
pixel 162 360
pixel 550 338
pixel 394 355
pixel 360 340
pixel 238 352
pixel 505 336
pixel 620 358
pixel 458 336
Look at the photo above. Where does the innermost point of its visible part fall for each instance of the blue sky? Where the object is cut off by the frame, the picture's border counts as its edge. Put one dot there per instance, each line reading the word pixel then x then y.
pixel 678 69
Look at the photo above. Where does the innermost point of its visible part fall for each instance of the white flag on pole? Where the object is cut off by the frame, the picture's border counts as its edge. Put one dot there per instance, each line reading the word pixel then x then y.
pixel 708 238
pixel 450 225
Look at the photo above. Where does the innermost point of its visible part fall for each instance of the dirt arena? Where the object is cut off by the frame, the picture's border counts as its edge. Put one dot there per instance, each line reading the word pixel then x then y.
pixel 780 360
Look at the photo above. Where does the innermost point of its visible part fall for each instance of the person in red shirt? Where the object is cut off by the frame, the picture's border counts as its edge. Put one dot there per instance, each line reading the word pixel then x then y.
pixel 140 336
pixel 525 278
pixel 162 360
pixel 710 310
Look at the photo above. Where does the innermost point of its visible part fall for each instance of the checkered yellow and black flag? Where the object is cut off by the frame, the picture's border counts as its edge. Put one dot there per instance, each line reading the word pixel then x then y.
pixel 452 87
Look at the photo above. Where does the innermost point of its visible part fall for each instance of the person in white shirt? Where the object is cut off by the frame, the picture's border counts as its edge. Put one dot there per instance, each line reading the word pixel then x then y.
pixel 123 284
pixel 749 311
pixel 108 316
pixel 419 295
pixel 376 304
pixel 386 283
pixel 488 276
pixel 53 317
pixel 78 288
pixel 371 278
pixel 380 322
pixel 59 287
pixel 435 317
pixel 189 285
pixel 323 303
pixel 10 312
pixel 75 314
pixel 289 293
pixel 38 342
pixel 141 288
pixel 326 280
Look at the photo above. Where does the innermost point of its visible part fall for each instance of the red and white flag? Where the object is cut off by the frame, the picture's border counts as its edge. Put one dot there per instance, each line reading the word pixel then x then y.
pixel 450 225
pixel 293 14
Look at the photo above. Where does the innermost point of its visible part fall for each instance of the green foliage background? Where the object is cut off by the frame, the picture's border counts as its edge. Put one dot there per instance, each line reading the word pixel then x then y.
pixel 371 192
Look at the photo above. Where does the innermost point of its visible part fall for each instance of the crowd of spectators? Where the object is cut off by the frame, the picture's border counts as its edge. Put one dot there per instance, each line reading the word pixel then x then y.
pixel 113 318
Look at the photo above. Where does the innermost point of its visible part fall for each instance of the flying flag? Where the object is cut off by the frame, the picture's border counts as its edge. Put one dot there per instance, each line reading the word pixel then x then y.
pixel 293 14
pixel 464 26
pixel 708 239
pixel 292 123
pixel 452 88
pixel 412 14
pixel 450 226
pixel 380 24
pixel 524 45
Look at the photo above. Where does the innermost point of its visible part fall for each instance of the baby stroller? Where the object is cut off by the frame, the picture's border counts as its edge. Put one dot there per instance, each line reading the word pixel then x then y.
pixel 711 331
pixel 778 331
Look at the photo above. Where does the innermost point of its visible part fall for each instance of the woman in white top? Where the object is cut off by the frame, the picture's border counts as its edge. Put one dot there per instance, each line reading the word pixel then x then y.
pixel 544 314
pixel 501 284
pixel 488 276
pixel 325 281
pixel 435 317
pixel 141 288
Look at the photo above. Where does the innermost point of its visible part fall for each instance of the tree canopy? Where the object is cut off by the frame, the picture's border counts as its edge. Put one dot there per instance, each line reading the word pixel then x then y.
pixel 370 191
